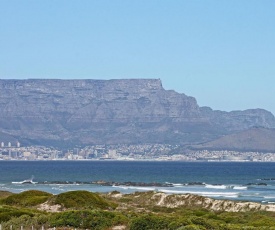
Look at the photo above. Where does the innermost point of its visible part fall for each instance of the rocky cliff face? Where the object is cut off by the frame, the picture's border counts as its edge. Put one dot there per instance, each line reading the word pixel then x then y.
pixel 111 112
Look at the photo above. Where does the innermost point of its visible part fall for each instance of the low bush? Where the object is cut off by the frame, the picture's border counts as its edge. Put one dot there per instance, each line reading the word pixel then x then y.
pixel 82 200
pixel 26 199
pixel 4 194
pixel 7 213
pixel 87 219
pixel 150 222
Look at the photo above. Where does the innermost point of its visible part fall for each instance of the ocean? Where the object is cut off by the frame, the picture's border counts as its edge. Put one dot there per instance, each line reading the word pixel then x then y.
pixel 245 181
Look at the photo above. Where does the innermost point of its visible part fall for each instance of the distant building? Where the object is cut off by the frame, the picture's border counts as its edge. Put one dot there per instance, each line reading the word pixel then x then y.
pixel 2 145
pixel 112 153
pixel 26 154
pixel 9 144
pixel 14 155
pixel 18 144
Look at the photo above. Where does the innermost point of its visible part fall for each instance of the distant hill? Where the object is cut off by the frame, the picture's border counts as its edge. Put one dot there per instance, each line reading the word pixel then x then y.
pixel 254 139
pixel 7 138
pixel 128 111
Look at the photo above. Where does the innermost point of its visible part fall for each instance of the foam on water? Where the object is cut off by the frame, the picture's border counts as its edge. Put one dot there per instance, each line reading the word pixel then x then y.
pixel 177 185
pixel 215 186
pixel 135 188
pixel 58 189
pixel 269 197
pixel 240 187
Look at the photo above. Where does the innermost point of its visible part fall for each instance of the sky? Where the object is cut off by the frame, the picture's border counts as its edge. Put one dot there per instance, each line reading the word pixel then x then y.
pixel 220 52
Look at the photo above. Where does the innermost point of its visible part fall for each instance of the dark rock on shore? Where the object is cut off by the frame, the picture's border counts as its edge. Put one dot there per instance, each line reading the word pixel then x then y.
pixel 111 183
pixel 135 184
pixel 195 183
pixel 258 184
pixel 64 182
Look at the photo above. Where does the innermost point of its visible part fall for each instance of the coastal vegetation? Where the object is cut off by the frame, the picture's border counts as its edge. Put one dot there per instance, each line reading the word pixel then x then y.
pixel 136 211
pixel 26 199
pixel 81 200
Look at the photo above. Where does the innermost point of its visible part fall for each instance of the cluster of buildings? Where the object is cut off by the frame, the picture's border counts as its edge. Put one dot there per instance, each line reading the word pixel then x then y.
pixel 14 151
pixel 158 152
pixel 225 155
pixel 94 152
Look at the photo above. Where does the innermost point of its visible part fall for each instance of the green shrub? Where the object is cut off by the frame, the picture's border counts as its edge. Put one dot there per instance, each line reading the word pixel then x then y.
pixel 4 194
pixel 26 221
pixel 6 213
pixel 149 222
pixel 233 217
pixel 82 200
pixel 26 199
pixel 207 223
pixel 179 222
pixel 191 227
pixel 263 221
pixel 125 200
pixel 86 219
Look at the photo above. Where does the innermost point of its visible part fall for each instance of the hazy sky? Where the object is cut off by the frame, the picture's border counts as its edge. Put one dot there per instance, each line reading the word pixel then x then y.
pixel 220 51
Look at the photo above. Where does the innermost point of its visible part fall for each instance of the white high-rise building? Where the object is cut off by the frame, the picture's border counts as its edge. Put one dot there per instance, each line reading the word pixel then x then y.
pixel 9 144
pixel 18 144
pixel 2 145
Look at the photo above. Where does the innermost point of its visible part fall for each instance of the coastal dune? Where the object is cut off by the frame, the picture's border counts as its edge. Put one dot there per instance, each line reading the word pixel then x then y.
pixel 174 201
pixel 190 200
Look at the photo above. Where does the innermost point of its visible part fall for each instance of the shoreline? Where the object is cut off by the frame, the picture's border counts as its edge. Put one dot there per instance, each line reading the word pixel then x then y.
pixel 134 160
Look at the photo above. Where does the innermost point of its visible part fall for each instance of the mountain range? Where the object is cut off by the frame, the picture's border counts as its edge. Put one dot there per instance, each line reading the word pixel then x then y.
pixel 128 111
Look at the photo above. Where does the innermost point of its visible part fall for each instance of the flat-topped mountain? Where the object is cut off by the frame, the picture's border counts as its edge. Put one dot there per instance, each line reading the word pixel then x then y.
pixel 64 112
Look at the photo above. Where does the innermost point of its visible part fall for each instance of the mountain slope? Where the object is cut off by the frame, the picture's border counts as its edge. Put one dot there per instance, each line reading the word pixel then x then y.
pixel 255 139
pixel 70 112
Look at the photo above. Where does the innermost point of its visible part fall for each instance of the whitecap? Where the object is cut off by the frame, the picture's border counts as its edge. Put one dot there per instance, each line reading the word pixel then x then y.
pixel 58 189
pixel 177 185
pixel 173 191
pixel 145 188
pixel 215 186
pixel 225 196
pixel 5 188
pixel 135 188
pixel 269 197
pixel 240 187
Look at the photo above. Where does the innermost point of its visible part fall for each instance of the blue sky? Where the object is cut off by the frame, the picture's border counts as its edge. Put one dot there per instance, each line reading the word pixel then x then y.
pixel 221 52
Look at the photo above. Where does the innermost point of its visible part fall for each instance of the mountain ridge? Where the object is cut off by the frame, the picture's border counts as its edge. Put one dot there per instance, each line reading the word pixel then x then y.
pixel 114 111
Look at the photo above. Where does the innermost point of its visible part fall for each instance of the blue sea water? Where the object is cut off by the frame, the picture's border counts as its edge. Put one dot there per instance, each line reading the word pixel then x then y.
pixel 246 181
